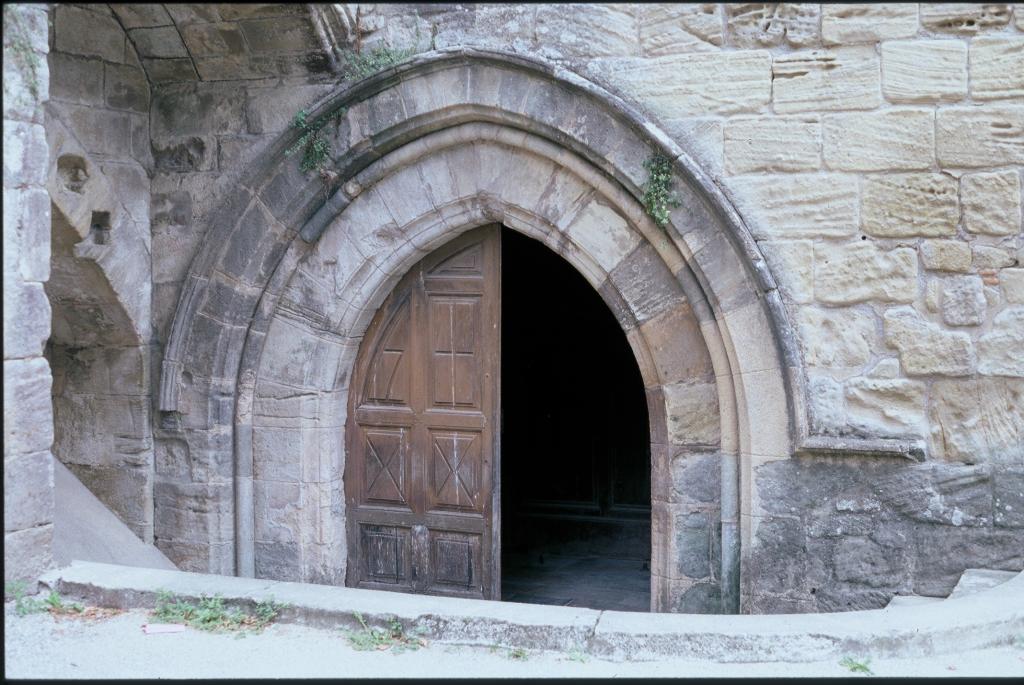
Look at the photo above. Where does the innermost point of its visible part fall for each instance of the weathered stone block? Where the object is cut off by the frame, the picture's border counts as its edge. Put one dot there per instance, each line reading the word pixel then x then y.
pixel 1001 350
pixel 25 155
pixel 989 258
pixel 28 491
pixel 924 70
pixel 864 562
pixel 879 141
pixel 28 554
pixel 992 202
pixel 199 111
pixel 646 283
pixel 170 70
pixel 28 411
pixel 902 205
pixel 797 206
pixel 837 339
pixel 1012 281
pixel 126 88
pixel 886 407
pixel 286 34
pixel 101 132
pixel 980 136
pixel 26 320
pixel 587 31
pixel 792 265
pixel 185 154
pixel 693 84
pixel 208 40
pixel 76 79
pixel 763 24
pixel 692 411
pixel 163 42
pixel 925 348
pixel 997 67
pixel 81 32
pixel 1008 498
pixel 26 235
pixel 772 144
pixel 963 301
pixel 845 78
pixel 961 17
pixel 862 271
pixel 141 15
pixel 978 421
pixel 670 29
pixel 946 255
pixel 867 23
pixel 272 110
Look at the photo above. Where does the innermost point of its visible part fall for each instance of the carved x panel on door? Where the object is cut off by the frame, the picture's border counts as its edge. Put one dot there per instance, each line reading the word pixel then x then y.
pixel 422 430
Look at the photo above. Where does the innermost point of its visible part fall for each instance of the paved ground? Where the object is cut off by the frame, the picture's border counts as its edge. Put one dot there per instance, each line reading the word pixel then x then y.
pixel 578 581
pixel 40 646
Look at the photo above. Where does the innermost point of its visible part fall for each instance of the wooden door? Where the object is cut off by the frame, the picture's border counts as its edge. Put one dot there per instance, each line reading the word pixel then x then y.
pixel 422 466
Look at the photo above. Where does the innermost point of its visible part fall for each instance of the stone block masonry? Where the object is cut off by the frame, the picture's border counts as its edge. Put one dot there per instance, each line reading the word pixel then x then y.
pixel 873 152
pixel 28 412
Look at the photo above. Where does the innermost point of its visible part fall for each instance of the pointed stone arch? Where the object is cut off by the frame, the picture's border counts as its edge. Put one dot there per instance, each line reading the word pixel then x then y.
pixel 264 334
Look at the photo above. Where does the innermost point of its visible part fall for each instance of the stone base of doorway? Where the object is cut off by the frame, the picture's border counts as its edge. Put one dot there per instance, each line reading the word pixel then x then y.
pixel 987 618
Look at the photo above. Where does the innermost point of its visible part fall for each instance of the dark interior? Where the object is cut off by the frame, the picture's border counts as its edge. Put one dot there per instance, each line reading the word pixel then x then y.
pixel 575 449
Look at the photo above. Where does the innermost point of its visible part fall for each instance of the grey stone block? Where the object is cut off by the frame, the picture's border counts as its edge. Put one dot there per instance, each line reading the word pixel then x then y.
pixel 284 34
pixel 26 320
pixel 187 154
pixel 207 40
pixel 28 554
pixel 126 87
pixel 140 15
pixel 170 70
pixel 76 79
pixel 28 413
pixel 163 42
pixel 28 491
pixel 25 154
pixel 81 32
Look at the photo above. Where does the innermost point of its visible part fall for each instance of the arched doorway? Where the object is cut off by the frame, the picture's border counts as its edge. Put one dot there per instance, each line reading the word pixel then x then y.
pixel 256 374
pixel 576 449
pixel 497 417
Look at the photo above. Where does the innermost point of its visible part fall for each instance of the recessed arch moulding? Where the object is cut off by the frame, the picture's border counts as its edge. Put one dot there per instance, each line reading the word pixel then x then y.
pixel 255 375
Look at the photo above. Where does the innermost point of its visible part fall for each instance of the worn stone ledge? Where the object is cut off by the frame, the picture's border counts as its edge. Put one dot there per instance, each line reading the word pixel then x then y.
pixel 824 445
pixel 989 618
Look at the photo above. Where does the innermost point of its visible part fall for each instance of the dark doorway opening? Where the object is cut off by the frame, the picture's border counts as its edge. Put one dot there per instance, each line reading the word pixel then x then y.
pixel 575 445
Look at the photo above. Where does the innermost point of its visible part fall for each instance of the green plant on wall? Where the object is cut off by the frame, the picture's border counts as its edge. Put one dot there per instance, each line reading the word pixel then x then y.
pixel 659 199
pixel 18 48
pixel 315 148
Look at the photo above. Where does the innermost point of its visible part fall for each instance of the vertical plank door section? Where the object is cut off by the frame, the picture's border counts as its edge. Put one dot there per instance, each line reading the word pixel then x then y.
pixel 422 431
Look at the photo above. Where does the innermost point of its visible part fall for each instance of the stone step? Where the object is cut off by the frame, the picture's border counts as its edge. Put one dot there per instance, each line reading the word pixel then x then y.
pixel 911 601
pixel 975 580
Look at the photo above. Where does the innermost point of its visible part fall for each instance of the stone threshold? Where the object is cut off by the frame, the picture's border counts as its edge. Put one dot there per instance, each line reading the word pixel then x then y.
pixel 990 618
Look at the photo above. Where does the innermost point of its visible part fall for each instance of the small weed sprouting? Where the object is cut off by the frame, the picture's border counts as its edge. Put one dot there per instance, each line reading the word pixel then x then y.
pixel 314 147
pixel 392 638
pixel 212 615
pixel 52 603
pixel 577 654
pixel 357 65
pixel 659 199
pixel 55 605
pixel 518 654
pixel 855 666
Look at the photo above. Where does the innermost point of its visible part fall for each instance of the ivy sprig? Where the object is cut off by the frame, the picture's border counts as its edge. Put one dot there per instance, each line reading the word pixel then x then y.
pixel 315 148
pixel 659 198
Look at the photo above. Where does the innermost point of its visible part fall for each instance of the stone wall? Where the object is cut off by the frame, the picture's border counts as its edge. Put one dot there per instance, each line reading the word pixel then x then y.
pixel 28 414
pixel 875 153
pixel 100 350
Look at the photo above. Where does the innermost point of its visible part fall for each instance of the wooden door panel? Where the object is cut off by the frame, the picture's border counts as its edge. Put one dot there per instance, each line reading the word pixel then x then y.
pixel 386 554
pixel 386 466
pixel 456 482
pixel 455 563
pixel 422 432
